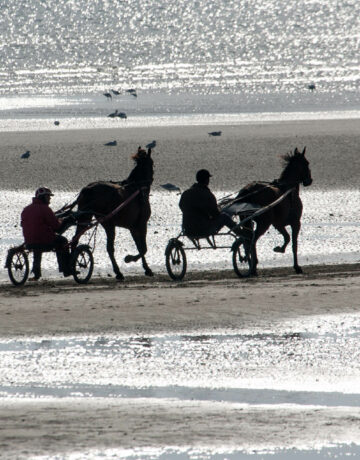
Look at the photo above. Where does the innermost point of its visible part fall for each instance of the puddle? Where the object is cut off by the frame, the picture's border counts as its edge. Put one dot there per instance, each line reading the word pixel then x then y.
pixel 261 368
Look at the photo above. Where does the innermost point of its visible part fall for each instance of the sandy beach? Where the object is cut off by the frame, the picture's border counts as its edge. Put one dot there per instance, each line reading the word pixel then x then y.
pixel 70 159
pixel 215 301
pixel 205 302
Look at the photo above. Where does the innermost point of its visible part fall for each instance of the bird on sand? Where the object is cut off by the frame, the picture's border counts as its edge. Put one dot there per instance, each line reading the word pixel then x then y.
pixel 26 154
pixel 311 87
pixel 108 96
pixel 121 115
pixel 114 114
pixel 170 187
pixel 152 145
pixel 115 92
pixel 132 91
pixel 56 123
pixel 111 143
pixel 215 133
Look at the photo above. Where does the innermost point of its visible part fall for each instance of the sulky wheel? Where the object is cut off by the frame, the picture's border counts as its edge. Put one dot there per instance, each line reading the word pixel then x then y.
pixel 82 264
pixel 242 258
pixel 17 264
pixel 175 260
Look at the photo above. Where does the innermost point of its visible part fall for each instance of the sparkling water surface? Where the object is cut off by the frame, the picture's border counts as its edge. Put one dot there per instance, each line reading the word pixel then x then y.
pixel 181 56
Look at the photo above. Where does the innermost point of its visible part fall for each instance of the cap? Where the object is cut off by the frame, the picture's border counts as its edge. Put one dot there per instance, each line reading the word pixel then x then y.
pixel 202 174
pixel 41 191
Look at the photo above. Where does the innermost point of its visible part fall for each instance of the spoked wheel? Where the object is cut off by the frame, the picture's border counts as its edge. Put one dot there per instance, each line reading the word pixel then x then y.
pixel 242 258
pixel 18 266
pixel 82 264
pixel 175 260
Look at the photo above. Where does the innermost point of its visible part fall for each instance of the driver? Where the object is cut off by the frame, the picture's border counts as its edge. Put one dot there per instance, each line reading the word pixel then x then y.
pixel 40 224
pixel 201 215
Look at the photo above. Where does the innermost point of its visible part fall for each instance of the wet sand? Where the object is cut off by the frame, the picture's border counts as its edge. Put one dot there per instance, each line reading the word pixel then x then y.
pixel 68 160
pixel 204 301
pixel 212 302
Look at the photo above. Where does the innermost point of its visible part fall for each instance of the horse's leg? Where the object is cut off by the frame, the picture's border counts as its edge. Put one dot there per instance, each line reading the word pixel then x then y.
pixel 286 236
pixel 260 230
pixel 110 238
pixel 295 228
pixel 139 237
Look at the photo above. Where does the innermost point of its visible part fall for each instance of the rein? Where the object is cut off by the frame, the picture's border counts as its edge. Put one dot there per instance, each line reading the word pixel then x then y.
pixel 268 207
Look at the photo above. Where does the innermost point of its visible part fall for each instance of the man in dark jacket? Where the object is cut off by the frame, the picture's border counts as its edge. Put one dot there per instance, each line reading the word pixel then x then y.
pixel 40 225
pixel 201 215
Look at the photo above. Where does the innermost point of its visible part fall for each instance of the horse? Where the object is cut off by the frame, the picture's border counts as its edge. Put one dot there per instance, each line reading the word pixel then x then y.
pixel 101 198
pixel 296 171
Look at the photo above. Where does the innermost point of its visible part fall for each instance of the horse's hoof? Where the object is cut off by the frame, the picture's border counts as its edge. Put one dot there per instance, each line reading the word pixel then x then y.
pixel 128 259
pixel 279 249
pixel 120 277
pixel 149 272
pixel 298 270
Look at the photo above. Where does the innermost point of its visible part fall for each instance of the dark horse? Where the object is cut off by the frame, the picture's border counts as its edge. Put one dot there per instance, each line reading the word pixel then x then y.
pixel 288 212
pixel 101 198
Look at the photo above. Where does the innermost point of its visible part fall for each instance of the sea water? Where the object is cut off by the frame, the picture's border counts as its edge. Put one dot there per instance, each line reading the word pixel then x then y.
pixel 183 57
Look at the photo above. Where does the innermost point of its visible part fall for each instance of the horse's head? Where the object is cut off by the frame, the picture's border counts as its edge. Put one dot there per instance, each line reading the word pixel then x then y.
pixel 296 168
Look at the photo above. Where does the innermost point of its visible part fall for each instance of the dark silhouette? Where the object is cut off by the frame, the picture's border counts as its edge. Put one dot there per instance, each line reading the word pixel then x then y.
pixel 108 96
pixel 56 123
pixel 101 198
pixel 170 187
pixel 115 92
pixel 152 145
pixel 287 212
pixel 26 154
pixel 113 114
pixel 121 115
pixel 111 144
pixel 215 133
pixel 311 87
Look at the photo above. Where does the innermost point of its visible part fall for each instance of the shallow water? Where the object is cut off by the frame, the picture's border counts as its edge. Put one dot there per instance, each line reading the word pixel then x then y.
pixel 182 57
pixel 330 234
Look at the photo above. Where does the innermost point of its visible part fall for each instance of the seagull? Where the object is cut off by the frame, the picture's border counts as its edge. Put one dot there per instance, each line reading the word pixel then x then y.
pixel 132 91
pixel 114 114
pixel 108 96
pixel 152 145
pixel 215 133
pixel 311 87
pixel 115 92
pixel 170 187
pixel 111 143
pixel 56 123
pixel 121 115
pixel 26 154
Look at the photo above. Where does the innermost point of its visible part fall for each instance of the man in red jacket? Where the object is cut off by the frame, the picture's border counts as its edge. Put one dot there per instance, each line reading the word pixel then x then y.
pixel 39 225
